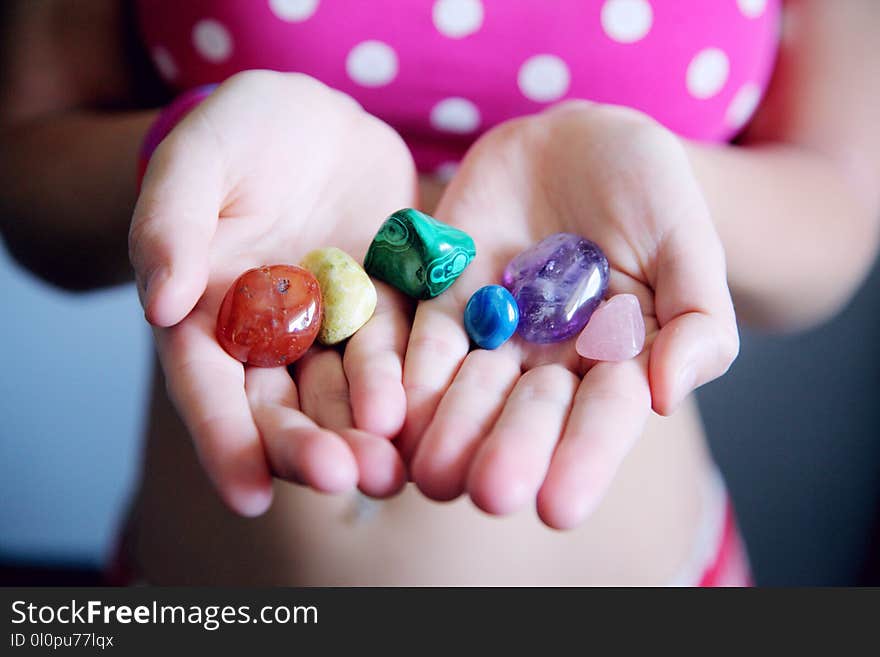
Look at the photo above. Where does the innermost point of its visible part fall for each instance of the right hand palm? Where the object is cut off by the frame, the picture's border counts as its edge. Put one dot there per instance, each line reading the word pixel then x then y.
pixel 268 168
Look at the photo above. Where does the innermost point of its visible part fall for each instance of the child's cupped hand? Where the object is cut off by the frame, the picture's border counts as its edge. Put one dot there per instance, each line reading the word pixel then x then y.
pixel 537 422
pixel 269 167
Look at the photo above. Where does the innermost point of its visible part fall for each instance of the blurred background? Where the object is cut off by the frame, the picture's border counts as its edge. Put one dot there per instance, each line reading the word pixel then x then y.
pixel 795 427
pixel 73 397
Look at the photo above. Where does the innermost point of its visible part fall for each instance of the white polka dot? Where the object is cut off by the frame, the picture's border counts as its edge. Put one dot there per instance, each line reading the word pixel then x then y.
pixel 164 63
pixel 707 73
pixel 446 171
pixel 544 78
pixel 372 64
pixel 458 18
pixel 455 115
pixel 743 105
pixel 752 8
pixel 627 21
pixel 212 41
pixel 293 10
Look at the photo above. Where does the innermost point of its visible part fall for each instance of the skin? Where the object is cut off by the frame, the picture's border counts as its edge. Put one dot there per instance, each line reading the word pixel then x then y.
pixel 247 210
pixel 799 190
pixel 527 420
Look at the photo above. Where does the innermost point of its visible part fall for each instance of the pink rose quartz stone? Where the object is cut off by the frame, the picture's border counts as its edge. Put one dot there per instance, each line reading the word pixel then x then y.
pixel 615 332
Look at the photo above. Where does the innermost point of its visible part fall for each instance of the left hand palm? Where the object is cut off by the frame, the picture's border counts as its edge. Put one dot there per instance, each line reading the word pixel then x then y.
pixel 529 419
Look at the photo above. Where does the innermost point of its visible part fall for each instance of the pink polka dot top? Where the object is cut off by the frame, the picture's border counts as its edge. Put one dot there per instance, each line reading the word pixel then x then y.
pixel 444 71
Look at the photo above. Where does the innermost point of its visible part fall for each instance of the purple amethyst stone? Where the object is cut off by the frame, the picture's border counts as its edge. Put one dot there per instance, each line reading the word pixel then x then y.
pixel 557 284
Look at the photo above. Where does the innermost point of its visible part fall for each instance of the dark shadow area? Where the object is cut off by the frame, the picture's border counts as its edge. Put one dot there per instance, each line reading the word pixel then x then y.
pixel 34 574
pixel 795 427
pixel 871 576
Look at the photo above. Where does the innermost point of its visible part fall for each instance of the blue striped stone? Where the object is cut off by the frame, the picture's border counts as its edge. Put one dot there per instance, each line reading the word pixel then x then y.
pixel 491 316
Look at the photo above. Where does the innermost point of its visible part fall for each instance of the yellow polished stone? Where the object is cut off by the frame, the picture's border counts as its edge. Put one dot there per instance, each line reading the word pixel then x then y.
pixel 348 294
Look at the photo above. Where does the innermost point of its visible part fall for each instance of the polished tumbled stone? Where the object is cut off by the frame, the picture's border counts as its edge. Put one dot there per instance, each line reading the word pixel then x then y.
pixel 557 284
pixel 491 316
pixel 348 294
pixel 270 315
pixel 418 255
pixel 615 332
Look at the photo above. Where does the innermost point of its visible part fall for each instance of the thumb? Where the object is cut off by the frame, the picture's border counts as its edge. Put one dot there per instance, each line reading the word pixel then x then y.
pixel 698 339
pixel 173 226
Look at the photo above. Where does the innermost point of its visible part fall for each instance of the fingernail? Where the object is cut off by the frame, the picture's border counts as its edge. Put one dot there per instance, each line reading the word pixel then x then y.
pixel 253 503
pixel 156 278
pixel 687 380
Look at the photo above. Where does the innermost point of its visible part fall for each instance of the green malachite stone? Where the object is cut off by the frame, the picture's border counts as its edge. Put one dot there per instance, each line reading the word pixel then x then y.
pixel 418 255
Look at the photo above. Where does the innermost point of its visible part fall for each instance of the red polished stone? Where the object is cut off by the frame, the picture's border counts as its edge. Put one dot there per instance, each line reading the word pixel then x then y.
pixel 270 316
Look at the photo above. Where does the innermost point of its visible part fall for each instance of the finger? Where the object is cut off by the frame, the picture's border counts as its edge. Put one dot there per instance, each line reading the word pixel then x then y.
pixel 437 346
pixel 174 222
pixel 373 364
pixel 698 339
pixel 207 387
pixel 609 413
pixel 464 417
pixel 298 449
pixel 689 351
pixel 381 470
pixel 511 464
pixel 323 389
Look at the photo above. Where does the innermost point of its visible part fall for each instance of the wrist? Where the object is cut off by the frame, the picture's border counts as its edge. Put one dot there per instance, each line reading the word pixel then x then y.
pixel 166 121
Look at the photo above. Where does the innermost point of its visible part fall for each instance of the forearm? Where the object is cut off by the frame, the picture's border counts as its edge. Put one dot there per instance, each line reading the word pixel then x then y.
pixel 67 189
pixel 799 235
pixel 798 205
